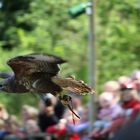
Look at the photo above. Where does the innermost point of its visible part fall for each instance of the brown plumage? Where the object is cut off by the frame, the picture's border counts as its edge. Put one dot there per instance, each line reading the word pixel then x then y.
pixel 38 73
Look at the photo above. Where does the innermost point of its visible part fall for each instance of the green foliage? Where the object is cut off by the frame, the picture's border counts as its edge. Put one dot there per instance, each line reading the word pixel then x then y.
pixel 117 38
pixel 45 26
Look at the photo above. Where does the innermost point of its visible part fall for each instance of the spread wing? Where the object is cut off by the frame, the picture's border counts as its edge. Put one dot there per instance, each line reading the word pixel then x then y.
pixel 72 85
pixel 26 65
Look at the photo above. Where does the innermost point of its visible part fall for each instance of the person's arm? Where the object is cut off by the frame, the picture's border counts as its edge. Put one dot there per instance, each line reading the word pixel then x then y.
pixel 79 127
pixel 117 112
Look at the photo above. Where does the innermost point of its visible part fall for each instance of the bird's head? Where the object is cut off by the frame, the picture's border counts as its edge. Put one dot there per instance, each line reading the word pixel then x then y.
pixel 5 85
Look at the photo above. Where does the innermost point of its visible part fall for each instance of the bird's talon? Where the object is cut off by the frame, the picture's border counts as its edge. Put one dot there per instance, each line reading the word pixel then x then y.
pixel 65 99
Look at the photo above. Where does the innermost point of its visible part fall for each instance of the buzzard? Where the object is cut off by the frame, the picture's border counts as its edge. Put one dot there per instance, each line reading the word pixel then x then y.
pixel 38 73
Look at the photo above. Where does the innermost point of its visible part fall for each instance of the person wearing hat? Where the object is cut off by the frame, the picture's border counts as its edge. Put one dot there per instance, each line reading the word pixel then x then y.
pixel 135 76
pixel 130 100
pixel 47 116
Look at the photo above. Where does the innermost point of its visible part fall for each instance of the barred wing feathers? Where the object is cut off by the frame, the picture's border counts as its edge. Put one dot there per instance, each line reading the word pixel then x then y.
pixel 73 85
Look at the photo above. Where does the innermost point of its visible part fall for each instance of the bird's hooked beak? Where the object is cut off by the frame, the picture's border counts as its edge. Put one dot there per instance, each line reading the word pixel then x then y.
pixel 1 86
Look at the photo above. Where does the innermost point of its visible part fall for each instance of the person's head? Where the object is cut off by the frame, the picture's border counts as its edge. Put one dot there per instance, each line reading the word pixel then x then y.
pixel 3 112
pixel 129 92
pixel 33 113
pixel 123 80
pixel 41 106
pixel 106 99
pixel 48 101
pixel 29 112
pixel 32 127
pixel 135 75
pixel 25 112
pixel 113 87
pixel 12 124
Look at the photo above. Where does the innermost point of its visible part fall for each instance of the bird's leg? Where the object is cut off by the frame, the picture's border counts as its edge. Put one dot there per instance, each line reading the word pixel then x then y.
pixel 66 100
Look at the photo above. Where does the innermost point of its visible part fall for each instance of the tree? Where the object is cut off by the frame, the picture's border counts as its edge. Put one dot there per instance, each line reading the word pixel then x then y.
pixel 117 38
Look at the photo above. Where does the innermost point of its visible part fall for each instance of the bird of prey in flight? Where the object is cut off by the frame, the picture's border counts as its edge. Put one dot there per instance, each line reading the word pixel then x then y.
pixel 38 73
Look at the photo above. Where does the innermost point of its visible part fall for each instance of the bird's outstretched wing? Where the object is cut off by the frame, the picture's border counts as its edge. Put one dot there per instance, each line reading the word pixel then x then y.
pixel 72 85
pixel 26 65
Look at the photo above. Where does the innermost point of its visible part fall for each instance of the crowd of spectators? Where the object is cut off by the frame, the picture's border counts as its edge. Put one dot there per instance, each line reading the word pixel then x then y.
pixel 118 104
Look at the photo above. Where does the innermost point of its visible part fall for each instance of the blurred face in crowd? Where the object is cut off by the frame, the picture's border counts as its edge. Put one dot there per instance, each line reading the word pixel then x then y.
pixel 104 103
pixel 135 75
pixel 138 76
pixel 111 86
pixel 126 95
pixel 3 112
pixel 114 88
pixel 130 94
pixel 106 99
pixel 25 112
pixel 41 106
pixel 32 127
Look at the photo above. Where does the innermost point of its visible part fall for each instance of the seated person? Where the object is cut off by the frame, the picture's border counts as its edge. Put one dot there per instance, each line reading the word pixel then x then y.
pixel 109 111
pixel 130 100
